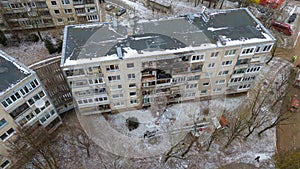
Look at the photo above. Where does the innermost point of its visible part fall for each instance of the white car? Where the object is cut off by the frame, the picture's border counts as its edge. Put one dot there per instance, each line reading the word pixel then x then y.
pixel 109 7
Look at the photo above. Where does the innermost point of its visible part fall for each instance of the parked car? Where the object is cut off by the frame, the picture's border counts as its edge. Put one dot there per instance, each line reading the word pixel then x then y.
pixel 109 7
pixel 121 12
pixel 282 27
pixel 292 18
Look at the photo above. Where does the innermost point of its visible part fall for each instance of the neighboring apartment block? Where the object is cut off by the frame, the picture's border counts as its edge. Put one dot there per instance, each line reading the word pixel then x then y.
pixel 38 14
pixel 120 66
pixel 55 83
pixel 23 102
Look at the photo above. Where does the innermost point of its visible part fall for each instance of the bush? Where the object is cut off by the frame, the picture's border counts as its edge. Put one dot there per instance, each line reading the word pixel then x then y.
pixel 3 39
pixel 59 44
pixel 50 46
pixel 32 38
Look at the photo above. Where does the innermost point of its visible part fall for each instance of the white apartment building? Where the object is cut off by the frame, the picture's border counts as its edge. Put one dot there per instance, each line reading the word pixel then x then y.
pixel 39 14
pixel 23 102
pixel 119 66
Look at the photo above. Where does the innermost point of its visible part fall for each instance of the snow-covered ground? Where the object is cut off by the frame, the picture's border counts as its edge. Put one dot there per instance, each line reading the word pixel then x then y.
pixel 112 134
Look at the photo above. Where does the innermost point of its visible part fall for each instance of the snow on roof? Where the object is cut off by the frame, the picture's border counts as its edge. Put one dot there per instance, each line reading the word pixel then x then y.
pixel 140 38
pixel 11 72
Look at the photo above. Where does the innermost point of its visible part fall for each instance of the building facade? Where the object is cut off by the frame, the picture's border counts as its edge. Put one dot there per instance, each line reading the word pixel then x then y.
pixel 23 102
pixel 55 83
pixel 39 14
pixel 114 67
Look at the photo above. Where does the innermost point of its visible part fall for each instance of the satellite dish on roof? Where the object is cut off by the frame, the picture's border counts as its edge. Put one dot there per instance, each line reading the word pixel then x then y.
pixel 40 103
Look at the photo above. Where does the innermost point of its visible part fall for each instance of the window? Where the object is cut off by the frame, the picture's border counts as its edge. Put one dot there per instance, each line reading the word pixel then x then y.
pixel 19 110
pixel 47 116
pixel 41 4
pixel 5 164
pixel 205 84
pixel 239 71
pixel 198 57
pixel 203 92
pixel 93 70
pixel 227 63
pixel 116 87
pixel 191 86
pixel 246 51
pixel 243 61
pixel 249 78
pixel 80 83
pixel 71 19
pixel 112 67
pixel 68 11
pixel 258 49
pixel 79 10
pixel 191 78
pixel 29 4
pixel 3 122
pixel 131 76
pixel 100 99
pixel 253 69
pixel 234 80
pixel 16 5
pixel 214 54
pixel 178 79
pixel 91 9
pixel 243 87
pixel 96 81
pixel 133 101
pixel 223 73
pixel 130 65
pixel 132 85
pixel 196 67
pixel 189 94
pixel 230 52
pixel 118 95
pixel 148 100
pixel 65 2
pixel 114 78
pixel 119 104
pixel 76 2
pixel 267 48
pixel 53 3
pixel 132 94
pixel 59 20
pixel 7 134
pixel 17 95
pixel 211 65
pixel 92 17
pixel 217 90
pixel 222 81
pixel 85 101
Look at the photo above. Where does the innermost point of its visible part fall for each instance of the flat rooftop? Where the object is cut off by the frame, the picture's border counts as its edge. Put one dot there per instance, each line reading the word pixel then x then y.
pixel 147 37
pixel 11 72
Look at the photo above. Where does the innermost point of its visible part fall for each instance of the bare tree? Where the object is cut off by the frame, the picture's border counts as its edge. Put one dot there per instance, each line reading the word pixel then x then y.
pixel 235 128
pixel 79 138
pixel 281 87
pixel 33 145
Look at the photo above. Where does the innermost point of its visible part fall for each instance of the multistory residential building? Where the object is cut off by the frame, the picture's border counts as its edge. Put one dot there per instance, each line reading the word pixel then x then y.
pixel 23 103
pixel 39 14
pixel 120 66
pixel 55 83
